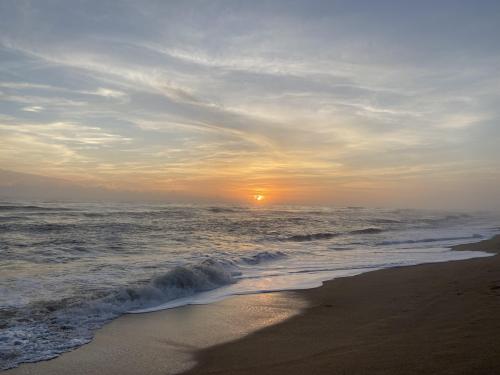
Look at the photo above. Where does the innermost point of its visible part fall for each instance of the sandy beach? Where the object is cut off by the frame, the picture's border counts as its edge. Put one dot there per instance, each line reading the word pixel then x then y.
pixel 427 319
pixel 163 342
pixel 435 318
pixel 249 187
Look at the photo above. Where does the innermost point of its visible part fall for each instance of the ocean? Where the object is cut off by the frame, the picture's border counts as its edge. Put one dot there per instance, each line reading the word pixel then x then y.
pixel 68 269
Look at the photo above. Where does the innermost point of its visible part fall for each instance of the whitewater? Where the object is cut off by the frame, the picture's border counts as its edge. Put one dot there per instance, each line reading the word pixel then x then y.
pixel 66 269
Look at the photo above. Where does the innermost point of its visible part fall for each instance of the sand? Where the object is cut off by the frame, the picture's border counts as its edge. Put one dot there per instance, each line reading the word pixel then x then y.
pixel 429 319
pixel 439 318
pixel 163 342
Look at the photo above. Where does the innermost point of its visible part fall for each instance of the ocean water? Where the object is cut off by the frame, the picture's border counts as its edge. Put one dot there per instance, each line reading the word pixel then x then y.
pixel 67 269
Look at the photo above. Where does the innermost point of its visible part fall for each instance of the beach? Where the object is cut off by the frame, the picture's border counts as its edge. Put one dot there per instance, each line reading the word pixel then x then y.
pixel 235 187
pixel 426 319
pixel 164 342
pixel 437 318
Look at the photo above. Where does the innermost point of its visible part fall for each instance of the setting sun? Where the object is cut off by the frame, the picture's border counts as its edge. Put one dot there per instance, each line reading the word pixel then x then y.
pixel 258 197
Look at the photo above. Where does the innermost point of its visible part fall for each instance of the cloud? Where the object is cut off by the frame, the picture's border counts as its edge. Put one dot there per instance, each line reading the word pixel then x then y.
pixel 308 93
pixel 34 108
pixel 108 93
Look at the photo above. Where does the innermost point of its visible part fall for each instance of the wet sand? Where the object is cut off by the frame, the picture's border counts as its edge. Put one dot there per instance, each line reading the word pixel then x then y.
pixel 163 342
pixel 439 318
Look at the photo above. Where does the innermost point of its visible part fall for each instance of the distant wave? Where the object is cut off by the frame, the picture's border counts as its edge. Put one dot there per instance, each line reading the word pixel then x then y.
pixel 222 209
pixel 31 208
pixel 43 330
pixel 366 231
pixel 424 240
pixel 443 219
pixel 385 221
pixel 12 218
pixel 310 237
pixel 62 227
pixel 328 235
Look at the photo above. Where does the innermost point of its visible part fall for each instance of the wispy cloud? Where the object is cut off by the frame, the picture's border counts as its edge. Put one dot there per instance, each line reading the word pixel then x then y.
pixel 34 108
pixel 309 94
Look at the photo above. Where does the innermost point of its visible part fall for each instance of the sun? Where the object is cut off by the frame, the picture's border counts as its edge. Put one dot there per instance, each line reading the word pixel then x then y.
pixel 258 197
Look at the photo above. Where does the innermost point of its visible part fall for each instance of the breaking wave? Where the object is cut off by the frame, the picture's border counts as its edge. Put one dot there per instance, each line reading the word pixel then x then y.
pixel 43 330
pixel 263 257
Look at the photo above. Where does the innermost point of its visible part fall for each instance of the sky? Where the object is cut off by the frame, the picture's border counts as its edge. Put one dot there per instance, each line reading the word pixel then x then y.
pixel 377 103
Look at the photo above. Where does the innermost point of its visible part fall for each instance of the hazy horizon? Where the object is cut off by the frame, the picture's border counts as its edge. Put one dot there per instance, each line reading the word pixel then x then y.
pixel 341 103
pixel 32 189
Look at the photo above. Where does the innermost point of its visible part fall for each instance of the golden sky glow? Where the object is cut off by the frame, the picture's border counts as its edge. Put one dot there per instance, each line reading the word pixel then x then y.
pixel 309 103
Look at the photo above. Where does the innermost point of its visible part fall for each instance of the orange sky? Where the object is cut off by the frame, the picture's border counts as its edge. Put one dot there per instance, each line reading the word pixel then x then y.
pixel 320 103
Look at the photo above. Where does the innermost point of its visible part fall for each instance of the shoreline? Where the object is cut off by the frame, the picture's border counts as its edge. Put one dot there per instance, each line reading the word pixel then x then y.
pixel 343 328
pixel 435 318
pixel 164 342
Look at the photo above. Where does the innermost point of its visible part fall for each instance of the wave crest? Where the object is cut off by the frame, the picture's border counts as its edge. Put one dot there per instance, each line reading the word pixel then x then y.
pixel 328 235
pixel 69 323
pixel 366 231
pixel 310 237
pixel 264 256
pixel 425 240
pixel 13 207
